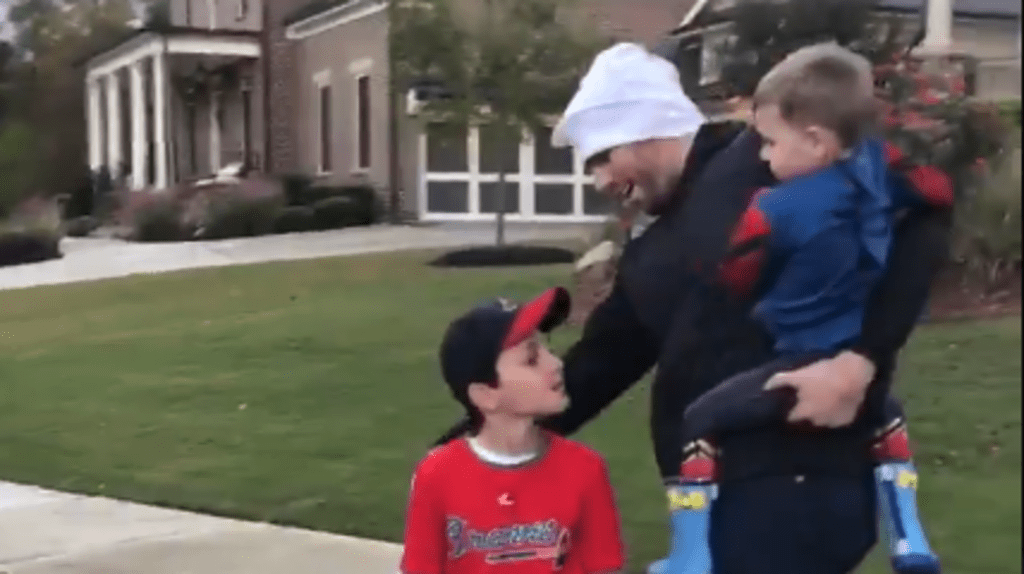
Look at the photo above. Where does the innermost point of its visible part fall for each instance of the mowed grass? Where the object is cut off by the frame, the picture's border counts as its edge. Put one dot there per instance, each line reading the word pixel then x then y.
pixel 304 393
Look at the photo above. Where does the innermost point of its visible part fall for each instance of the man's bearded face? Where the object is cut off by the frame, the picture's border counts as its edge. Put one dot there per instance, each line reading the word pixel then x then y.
pixel 626 176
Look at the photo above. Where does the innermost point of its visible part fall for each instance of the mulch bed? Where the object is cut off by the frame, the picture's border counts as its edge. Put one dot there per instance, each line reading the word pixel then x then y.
pixel 960 295
pixel 509 255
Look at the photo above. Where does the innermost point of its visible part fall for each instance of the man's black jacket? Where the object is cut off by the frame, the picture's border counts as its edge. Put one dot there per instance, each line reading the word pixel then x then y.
pixel 665 309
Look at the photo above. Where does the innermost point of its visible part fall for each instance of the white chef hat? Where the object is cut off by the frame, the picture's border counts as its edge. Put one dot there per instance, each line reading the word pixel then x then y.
pixel 628 95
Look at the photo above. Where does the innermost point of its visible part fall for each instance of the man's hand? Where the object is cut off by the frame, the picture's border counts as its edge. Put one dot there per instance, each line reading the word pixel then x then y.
pixel 830 391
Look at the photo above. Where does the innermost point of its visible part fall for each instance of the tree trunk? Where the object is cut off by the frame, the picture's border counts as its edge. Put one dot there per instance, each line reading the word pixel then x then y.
pixel 394 148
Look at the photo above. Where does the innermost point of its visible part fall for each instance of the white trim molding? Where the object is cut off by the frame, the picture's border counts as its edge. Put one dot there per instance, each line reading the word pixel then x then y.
pixel 360 67
pixel 150 44
pixel 339 15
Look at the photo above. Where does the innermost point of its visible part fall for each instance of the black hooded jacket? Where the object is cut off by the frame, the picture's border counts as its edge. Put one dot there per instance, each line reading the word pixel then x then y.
pixel 666 309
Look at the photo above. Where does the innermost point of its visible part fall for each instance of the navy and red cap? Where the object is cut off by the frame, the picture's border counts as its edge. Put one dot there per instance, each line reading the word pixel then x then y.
pixel 473 342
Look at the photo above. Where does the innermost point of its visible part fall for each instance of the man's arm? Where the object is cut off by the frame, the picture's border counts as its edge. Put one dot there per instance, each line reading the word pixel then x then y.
pixel 615 351
pixel 921 247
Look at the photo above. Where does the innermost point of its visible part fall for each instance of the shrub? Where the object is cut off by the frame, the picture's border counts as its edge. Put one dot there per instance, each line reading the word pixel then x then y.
pixel 247 209
pixel 32 233
pixel 81 226
pixel 294 219
pixel 156 217
pixel 19 246
pixel 81 198
pixel 296 188
pixel 988 224
pixel 335 212
pixel 1011 110
pixel 367 205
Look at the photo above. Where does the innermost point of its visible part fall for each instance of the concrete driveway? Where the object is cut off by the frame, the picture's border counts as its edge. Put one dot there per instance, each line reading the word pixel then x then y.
pixel 47 532
pixel 91 259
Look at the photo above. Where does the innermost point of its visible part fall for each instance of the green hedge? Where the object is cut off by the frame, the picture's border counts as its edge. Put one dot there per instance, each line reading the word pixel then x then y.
pixel 28 246
pixel 1011 110
pixel 301 191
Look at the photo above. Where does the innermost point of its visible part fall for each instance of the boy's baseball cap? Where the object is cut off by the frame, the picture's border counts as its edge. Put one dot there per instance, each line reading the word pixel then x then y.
pixel 472 343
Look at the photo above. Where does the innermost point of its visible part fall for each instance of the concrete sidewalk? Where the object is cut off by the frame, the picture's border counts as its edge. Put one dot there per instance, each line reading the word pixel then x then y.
pixel 47 532
pixel 91 259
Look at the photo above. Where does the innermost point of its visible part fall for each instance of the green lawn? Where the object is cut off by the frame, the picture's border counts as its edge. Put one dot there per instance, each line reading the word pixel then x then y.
pixel 304 393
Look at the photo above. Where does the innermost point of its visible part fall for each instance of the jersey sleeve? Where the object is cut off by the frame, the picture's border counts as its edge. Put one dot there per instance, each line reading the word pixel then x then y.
pixel 916 185
pixel 425 544
pixel 746 256
pixel 599 536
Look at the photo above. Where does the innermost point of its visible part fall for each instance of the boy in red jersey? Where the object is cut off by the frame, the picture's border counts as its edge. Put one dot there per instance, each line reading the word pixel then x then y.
pixel 510 497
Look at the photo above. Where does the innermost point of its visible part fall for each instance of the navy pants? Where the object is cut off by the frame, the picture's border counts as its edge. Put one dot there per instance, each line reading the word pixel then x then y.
pixel 817 523
pixel 741 403
pixel 793 525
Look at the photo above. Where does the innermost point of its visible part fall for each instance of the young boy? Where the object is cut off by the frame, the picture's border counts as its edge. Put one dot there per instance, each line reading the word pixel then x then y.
pixel 510 497
pixel 817 243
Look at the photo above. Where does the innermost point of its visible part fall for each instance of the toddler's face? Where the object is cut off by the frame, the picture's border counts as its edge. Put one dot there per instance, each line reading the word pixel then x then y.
pixel 792 150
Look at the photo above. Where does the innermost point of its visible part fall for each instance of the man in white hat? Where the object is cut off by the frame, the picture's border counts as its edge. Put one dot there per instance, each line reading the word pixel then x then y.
pixel 647 145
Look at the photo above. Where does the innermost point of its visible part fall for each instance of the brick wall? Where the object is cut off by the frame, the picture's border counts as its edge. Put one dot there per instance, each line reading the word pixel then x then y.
pixel 282 87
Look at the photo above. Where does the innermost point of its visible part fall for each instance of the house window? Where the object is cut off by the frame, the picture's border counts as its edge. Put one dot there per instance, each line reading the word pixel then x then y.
pixel 241 9
pixel 714 44
pixel 363 120
pixel 193 144
pixel 325 121
pixel 247 127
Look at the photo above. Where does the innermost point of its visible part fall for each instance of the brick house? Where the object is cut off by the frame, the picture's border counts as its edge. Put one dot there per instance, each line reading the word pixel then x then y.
pixel 987 30
pixel 294 86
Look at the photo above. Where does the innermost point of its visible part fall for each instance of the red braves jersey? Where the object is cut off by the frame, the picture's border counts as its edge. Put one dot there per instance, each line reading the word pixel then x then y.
pixel 553 514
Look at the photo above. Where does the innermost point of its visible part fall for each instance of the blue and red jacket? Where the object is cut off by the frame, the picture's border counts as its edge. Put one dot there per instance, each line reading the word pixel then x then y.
pixel 815 247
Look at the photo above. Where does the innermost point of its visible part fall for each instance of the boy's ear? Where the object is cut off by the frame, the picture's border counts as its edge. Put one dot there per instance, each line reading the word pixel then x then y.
pixel 825 140
pixel 483 397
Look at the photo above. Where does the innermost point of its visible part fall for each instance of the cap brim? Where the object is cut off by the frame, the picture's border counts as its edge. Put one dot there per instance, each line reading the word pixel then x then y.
pixel 543 314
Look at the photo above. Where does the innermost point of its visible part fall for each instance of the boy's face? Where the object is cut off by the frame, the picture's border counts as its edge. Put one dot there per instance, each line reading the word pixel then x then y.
pixel 530 382
pixel 792 150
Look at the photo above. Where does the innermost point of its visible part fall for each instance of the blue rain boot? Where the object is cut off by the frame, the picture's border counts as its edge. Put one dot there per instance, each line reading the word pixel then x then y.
pixel 690 509
pixel 896 480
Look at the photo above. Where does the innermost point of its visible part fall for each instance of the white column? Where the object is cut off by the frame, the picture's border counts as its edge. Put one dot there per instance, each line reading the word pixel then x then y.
pixel 211 10
pixel 160 113
pixel 115 155
pixel 139 127
pixel 527 171
pixel 214 132
pixel 93 118
pixel 938 27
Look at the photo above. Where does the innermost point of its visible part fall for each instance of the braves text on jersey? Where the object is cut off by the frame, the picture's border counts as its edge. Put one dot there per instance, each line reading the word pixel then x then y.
pixel 555 514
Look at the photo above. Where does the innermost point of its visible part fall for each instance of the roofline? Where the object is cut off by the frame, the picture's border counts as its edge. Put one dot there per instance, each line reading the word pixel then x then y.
pixel 338 15
pixel 684 26
pixel 692 13
pixel 956 13
pixel 161 31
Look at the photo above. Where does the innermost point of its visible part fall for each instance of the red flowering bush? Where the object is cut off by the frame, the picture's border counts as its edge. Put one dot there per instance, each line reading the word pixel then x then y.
pixel 928 115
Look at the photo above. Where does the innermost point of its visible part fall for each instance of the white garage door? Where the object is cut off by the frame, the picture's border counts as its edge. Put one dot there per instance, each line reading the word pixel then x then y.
pixel 458 178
